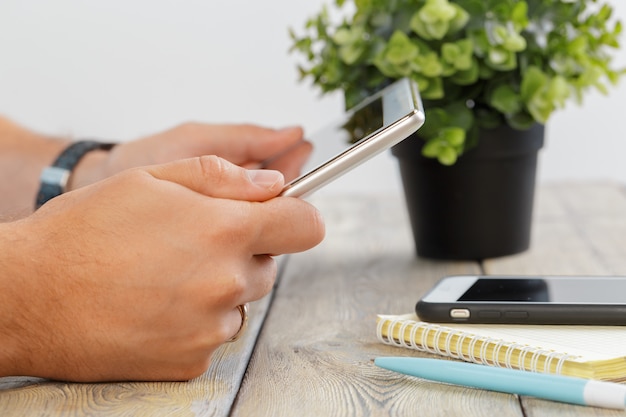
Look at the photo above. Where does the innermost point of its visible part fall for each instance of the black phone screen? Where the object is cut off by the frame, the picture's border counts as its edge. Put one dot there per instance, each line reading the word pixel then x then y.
pixel 339 136
pixel 560 290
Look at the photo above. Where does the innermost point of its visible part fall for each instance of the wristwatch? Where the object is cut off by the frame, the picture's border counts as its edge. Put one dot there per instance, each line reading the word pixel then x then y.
pixel 54 178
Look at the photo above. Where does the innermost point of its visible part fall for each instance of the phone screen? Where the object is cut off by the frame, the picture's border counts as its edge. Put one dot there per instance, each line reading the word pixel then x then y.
pixel 560 290
pixel 335 138
pixel 374 125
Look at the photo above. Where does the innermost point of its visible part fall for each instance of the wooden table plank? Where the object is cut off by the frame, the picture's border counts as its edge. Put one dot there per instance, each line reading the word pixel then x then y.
pixel 314 356
pixel 578 229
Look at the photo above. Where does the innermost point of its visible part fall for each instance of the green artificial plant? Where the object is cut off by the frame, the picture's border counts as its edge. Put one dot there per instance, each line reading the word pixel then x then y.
pixel 478 63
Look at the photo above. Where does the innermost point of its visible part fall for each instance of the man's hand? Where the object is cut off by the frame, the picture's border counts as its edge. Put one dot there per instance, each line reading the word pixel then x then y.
pixel 244 145
pixel 138 277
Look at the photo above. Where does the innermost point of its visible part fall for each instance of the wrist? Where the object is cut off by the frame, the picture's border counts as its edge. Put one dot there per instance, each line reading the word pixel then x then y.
pixel 23 154
pixel 58 178
pixel 91 168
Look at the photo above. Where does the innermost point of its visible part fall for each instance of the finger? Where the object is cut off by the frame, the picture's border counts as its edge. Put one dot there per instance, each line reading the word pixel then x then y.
pixel 250 279
pixel 243 144
pixel 241 321
pixel 286 225
pixel 216 177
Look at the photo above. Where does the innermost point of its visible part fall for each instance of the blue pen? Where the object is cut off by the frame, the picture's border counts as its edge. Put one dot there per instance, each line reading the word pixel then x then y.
pixel 550 387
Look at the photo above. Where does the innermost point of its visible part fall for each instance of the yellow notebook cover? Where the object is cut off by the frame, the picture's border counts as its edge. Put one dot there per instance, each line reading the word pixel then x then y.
pixel 594 352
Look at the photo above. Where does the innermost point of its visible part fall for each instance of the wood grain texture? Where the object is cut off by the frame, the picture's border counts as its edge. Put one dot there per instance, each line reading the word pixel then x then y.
pixel 578 229
pixel 314 355
pixel 212 394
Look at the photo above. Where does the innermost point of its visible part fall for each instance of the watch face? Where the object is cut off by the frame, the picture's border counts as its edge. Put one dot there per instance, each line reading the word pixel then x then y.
pixel 55 176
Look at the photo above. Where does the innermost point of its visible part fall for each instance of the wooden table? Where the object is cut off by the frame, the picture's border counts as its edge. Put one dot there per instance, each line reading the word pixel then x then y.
pixel 309 348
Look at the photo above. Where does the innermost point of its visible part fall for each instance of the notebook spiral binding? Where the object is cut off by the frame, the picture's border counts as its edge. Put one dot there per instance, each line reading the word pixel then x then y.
pixel 441 340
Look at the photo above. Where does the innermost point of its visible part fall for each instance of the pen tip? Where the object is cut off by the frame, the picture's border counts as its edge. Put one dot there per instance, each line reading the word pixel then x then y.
pixel 383 362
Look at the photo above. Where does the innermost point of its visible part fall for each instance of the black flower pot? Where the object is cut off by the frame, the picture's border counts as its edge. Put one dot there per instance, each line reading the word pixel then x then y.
pixel 479 208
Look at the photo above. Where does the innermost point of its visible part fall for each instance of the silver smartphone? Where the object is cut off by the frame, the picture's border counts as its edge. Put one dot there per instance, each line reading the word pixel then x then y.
pixel 376 124
pixel 588 300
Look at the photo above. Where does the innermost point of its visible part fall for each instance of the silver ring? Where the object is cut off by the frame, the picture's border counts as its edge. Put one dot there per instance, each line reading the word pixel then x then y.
pixel 243 310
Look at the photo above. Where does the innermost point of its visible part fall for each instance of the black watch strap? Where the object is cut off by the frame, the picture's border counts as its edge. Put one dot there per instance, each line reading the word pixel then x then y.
pixel 55 177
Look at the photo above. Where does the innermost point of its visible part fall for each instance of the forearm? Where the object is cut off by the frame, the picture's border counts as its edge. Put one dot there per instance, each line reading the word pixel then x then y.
pixel 23 154
pixel 13 302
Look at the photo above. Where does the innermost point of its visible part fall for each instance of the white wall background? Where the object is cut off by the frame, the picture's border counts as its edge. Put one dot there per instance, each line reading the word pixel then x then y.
pixel 119 69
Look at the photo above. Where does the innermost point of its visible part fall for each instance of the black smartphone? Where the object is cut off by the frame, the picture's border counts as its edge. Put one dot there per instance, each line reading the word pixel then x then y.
pixel 585 300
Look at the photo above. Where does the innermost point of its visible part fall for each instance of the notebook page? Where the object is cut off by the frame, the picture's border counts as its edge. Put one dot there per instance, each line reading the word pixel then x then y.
pixel 590 342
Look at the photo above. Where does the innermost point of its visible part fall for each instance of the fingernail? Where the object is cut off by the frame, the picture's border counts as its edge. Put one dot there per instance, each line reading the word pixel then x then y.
pixel 266 178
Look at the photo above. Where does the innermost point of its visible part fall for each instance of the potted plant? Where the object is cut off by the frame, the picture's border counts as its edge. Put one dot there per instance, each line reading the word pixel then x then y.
pixel 490 72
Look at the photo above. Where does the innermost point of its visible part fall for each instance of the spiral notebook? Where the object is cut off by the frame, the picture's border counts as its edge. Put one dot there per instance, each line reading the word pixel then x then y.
pixel 594 352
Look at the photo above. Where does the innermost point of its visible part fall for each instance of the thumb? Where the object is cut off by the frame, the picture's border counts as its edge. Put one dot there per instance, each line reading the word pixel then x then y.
pixel 216 177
